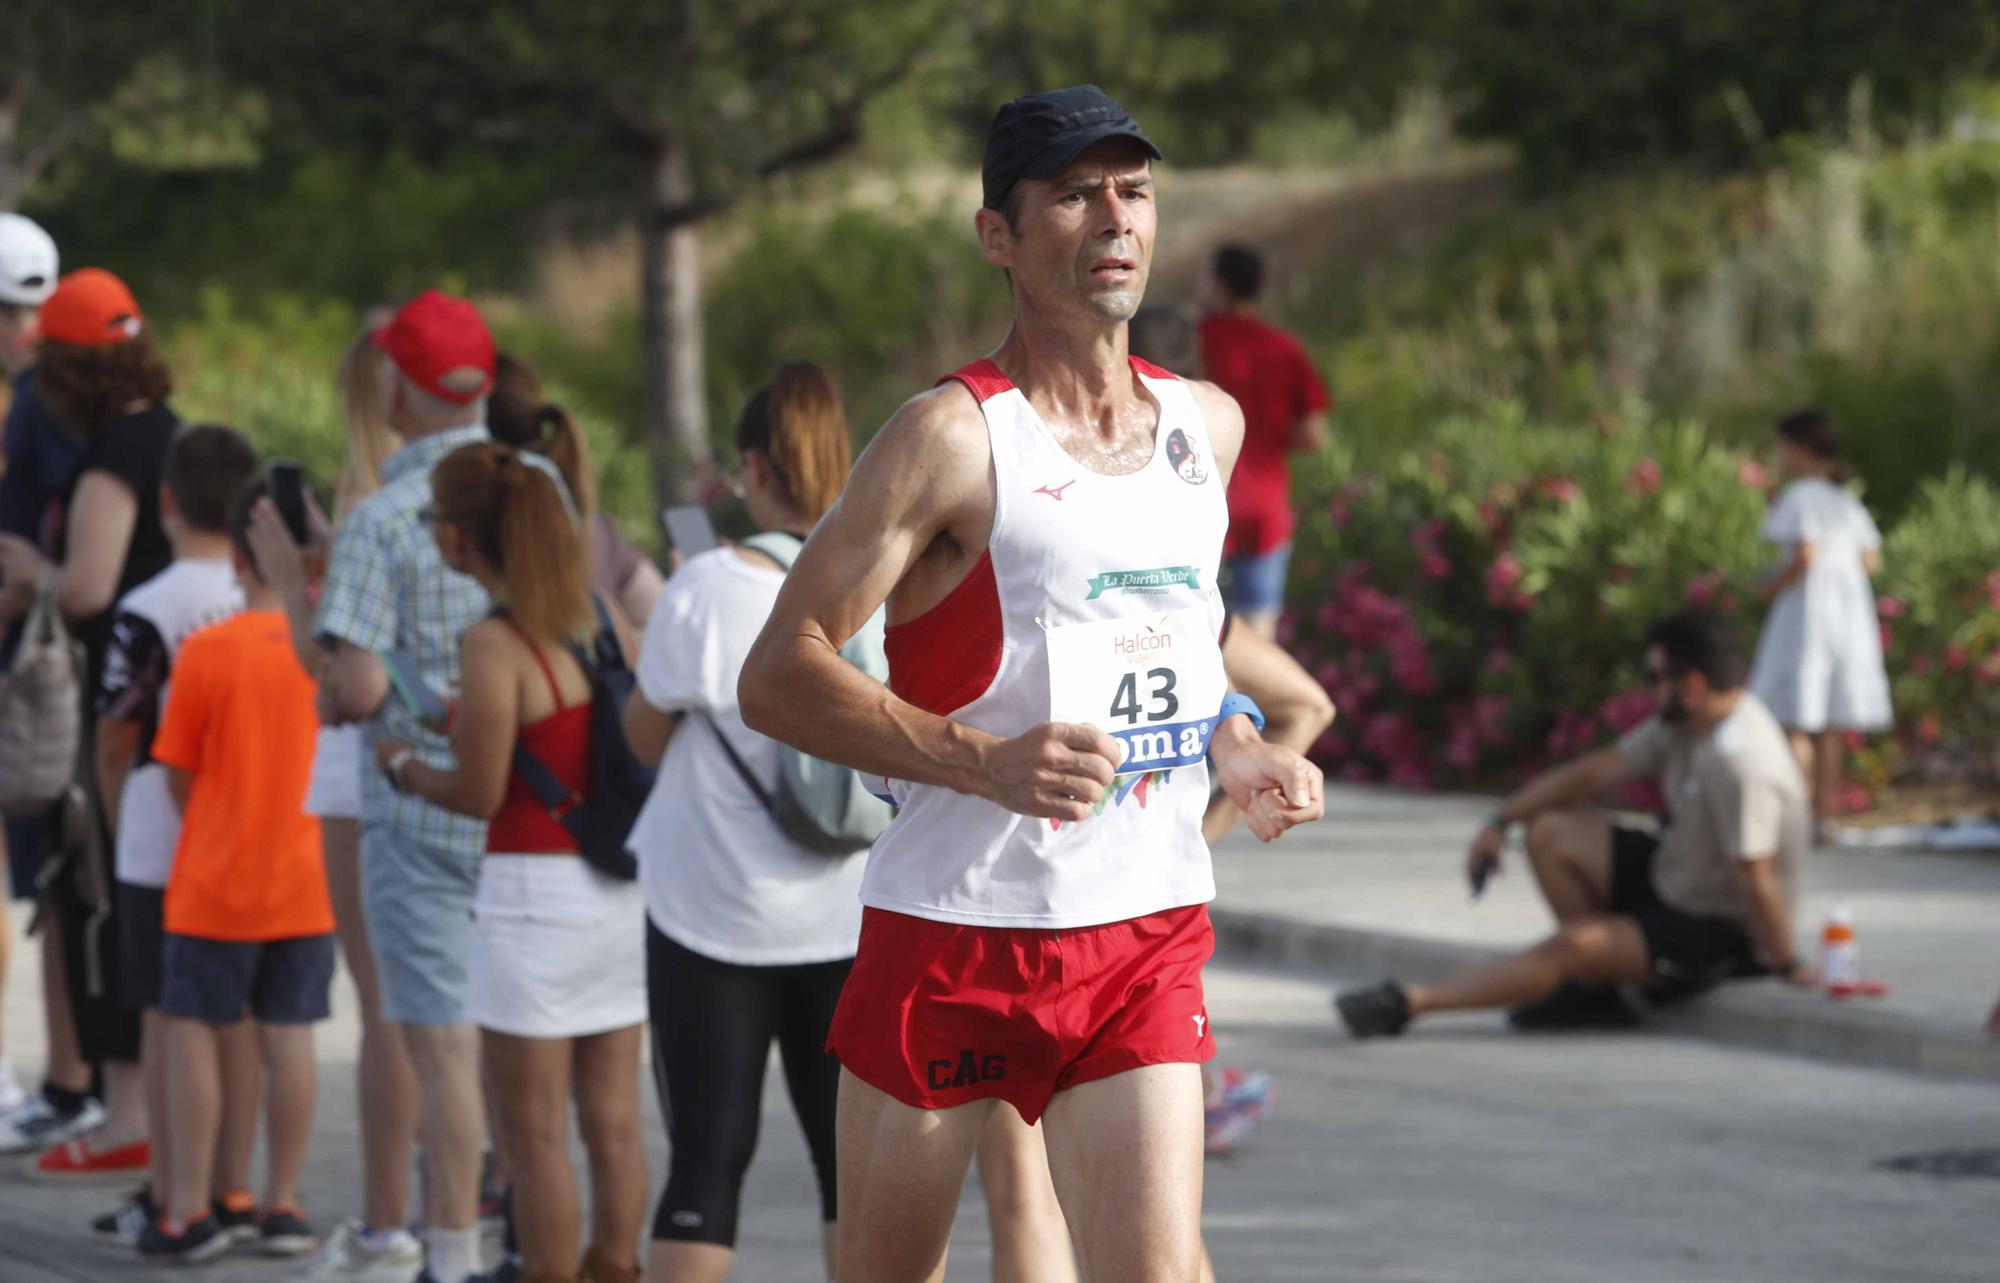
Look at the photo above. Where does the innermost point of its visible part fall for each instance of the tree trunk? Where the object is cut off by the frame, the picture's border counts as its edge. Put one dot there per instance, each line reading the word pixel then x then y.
pixel 676 389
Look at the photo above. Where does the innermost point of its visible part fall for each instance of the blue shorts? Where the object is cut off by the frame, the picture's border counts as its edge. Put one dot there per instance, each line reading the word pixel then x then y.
pixel 282 982
pixel 417 899
pixel 1255 585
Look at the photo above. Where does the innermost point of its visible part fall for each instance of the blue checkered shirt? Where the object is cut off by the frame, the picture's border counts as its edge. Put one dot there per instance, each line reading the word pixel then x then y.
pixel 388 589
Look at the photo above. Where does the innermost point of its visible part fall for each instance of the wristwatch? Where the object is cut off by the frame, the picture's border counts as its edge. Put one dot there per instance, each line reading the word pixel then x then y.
pixel 393 768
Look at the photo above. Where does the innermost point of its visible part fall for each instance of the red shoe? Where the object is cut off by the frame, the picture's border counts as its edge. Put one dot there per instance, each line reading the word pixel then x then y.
pixel 78 1162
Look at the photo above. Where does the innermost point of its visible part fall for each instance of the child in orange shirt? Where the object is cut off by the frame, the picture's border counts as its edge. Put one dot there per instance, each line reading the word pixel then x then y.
pixel 248 919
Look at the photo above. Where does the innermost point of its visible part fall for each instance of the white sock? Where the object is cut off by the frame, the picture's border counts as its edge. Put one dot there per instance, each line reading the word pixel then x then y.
pixel 454 1254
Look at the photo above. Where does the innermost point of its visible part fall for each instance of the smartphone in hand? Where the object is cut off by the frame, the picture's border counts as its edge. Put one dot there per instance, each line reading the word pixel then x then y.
pixel 688 528
pixel 406 680
pixel 1481 874
pixel 287 482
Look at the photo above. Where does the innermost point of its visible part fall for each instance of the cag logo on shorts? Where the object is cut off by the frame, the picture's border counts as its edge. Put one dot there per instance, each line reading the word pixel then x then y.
pixel 968 1070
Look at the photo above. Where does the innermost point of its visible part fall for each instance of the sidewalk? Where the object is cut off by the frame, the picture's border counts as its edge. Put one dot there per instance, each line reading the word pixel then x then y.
pixel 1379 887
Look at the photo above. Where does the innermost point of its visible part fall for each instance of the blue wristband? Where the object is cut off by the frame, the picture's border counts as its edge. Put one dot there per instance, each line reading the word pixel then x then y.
pixel 1237 702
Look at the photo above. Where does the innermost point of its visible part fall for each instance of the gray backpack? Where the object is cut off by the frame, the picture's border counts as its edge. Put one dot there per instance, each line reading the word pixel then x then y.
pixel 820 805
pixel 41 712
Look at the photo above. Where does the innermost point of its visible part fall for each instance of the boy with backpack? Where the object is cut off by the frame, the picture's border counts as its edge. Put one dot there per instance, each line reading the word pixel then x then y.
pixel 205 466
pixel 248 921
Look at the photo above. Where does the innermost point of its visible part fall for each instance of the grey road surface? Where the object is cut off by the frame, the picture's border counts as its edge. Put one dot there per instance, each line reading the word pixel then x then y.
pixel 1460 1153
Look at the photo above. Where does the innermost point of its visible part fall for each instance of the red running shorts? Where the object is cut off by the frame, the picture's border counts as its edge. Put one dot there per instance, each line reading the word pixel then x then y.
pixel 938 1014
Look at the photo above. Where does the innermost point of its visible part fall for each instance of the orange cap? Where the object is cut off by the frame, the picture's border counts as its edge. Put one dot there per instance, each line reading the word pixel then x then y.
pixel 90 308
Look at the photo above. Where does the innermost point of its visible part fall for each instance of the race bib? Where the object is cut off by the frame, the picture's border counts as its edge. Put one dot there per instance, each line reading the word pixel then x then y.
pixel 1155 682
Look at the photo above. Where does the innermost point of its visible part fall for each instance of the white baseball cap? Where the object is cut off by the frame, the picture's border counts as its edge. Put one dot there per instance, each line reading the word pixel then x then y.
pixel 27 262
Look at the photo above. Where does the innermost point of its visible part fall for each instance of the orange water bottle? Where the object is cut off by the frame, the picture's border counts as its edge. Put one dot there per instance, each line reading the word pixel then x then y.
pixel 1840 953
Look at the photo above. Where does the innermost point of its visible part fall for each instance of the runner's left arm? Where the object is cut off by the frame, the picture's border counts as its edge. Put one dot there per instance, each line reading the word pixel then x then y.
pixel 1276 787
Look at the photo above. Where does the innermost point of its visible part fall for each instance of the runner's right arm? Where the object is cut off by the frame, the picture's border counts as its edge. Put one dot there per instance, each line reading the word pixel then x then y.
pixel 926 477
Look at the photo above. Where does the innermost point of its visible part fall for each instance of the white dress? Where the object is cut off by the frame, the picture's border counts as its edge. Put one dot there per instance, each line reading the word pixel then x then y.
pixel 1819 662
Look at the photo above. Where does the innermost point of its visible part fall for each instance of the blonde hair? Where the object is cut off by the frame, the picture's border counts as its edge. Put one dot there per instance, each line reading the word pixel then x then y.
pixel 796 422
pixel 358 379
pixel 515 516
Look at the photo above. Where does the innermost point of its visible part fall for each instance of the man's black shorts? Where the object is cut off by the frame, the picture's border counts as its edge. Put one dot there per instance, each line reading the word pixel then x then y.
pixel 143 935
pixel 1688 952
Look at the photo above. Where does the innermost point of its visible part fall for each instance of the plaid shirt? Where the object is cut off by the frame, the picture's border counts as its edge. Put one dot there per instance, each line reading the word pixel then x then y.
pixel 388 589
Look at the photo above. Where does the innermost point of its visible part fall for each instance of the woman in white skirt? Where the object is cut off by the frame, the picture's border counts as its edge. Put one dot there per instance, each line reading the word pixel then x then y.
pixel 377 1244
pixel 558 973
pixel 1819 662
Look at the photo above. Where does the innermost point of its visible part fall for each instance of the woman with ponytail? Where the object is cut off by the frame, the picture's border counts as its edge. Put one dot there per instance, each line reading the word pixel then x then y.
pixel 557 974
pixel 750 936
pixel 519 414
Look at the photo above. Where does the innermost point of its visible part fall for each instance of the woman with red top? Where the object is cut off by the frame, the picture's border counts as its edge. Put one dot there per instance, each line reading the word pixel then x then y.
pixel 558 973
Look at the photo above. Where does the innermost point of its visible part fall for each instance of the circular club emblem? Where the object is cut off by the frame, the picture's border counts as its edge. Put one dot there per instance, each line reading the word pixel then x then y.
pixel 1186 460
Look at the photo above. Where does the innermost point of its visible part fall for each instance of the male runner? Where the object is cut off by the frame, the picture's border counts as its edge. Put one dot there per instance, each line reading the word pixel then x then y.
pixel 1045 527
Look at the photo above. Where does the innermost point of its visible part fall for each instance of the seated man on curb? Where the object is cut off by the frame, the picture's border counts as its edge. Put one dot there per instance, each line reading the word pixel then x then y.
pixel 1707 900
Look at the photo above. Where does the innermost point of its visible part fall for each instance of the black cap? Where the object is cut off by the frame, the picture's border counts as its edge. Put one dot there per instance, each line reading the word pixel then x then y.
pixel 1035 136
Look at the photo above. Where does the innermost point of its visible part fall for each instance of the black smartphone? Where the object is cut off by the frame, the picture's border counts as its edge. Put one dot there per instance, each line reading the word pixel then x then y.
pixel 287 481
pixel 688 528
pixel 1482 873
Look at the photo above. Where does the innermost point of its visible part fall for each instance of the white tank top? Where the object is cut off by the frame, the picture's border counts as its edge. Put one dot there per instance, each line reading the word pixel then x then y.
pixel 1094 602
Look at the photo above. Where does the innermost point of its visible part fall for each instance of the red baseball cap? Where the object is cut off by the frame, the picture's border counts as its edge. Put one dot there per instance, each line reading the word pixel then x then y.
pixel 440 344
pixel 90 308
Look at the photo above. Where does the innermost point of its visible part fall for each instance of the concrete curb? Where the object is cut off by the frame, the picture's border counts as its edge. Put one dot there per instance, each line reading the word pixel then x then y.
pixel 1758 1015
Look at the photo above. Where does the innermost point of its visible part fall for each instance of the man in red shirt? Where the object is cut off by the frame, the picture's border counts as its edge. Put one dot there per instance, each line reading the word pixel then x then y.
pixel 1284 409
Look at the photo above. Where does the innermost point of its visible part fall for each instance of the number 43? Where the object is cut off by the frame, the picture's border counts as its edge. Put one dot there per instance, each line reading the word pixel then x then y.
pixel 1125 703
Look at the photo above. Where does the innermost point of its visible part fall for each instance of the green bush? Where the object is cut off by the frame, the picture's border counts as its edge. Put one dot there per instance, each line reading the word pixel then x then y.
pixel 1475 601
pixel 1941 622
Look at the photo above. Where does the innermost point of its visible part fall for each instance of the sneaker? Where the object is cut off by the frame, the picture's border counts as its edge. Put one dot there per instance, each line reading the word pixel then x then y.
pixel 37 1125
pixel 130 1218
pixel 236 1213
pixel 12 1097
pixel 1575 1006
pixel 203 1240
pixel 353 1255
pixel 510 1270
pixel 284 1232
pixel 1249 1089
pixel 1379 1011
pixel 79 1162
pixel 493 1210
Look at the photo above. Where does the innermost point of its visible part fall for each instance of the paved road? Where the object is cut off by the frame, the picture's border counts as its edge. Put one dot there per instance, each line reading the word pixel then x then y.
pixel 1461 1153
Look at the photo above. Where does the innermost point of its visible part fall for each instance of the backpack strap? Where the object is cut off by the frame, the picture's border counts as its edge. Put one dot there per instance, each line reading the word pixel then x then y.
pixel 757 790
pixel 555 797
pixel 781 546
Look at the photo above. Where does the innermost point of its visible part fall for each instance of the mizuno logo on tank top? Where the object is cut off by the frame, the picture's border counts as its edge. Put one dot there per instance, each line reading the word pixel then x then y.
pixel 1099 607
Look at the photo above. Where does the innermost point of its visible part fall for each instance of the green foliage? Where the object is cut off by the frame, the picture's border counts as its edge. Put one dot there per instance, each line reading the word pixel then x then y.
pixel 1580 87
pixel 1942 618
pixel 1487 586
pixel 888 304
pixel 1855 279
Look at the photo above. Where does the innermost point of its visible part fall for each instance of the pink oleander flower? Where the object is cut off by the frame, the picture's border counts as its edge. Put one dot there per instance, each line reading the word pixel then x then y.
pixel 1700 591
pixel 1888 636
pixel 1502 578
pixel 1489 718
pixel 1462 750
pixel 1987 671
pixel 1435 566
pixel 1410 775
pixel 1955 658
pixel 1625 710
pixel 1921 664
pixel 1890 607
pixel 1499 660
pixel 1851 799
pixel 1339 513
pixel 1644 478
pixel 1752 475
pixel 1327 617
pixel 1561 489
pixel 1425 535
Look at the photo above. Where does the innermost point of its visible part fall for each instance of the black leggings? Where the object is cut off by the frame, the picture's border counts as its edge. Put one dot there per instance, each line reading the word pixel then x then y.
pixel 713 1023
